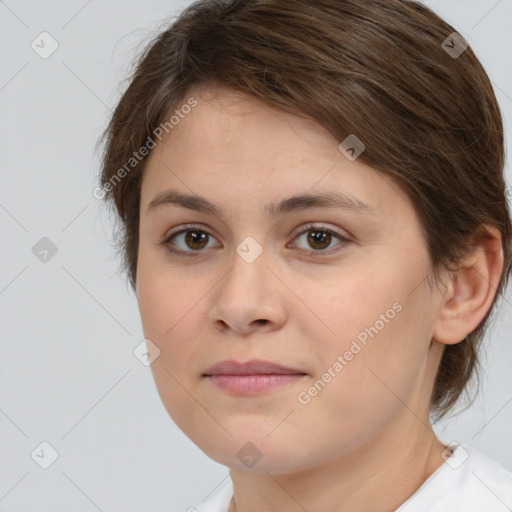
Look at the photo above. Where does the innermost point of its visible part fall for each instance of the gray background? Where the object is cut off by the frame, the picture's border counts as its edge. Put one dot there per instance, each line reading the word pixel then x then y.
pixel 69 326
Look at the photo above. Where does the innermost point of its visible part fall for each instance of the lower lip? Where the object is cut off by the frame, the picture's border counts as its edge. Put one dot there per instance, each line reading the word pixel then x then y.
pixel 253 384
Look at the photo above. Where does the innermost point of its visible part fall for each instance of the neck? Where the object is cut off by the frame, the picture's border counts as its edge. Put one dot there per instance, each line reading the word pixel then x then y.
pixel 378 475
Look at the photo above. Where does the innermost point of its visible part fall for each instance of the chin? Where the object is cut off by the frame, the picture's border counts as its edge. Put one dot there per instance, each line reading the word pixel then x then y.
pixel 258 454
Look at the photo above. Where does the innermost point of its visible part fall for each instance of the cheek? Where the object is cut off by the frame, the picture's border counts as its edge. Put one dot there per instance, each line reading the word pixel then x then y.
pixel 356 310
pixel 378 352
pixel 164 297
pixel 167 309
pixel 174 306
pixel 364 395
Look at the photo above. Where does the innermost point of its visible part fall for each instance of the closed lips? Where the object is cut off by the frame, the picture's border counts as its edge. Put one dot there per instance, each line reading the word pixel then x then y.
pixel 254 367
pixel 254 377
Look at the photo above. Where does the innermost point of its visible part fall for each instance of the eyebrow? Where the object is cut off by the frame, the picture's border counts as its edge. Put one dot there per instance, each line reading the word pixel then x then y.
pixel 299 202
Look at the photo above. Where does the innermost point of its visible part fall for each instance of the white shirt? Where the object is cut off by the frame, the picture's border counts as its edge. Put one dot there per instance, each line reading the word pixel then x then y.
pixel 468 481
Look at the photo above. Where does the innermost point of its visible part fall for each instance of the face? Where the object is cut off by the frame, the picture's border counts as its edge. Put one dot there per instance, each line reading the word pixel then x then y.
pixel 330 302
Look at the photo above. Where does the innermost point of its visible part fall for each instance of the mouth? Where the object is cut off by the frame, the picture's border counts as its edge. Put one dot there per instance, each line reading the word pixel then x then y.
pixel 252 377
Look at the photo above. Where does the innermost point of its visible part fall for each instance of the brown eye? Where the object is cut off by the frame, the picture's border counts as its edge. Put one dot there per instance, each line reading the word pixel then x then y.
pixel 319 239
pixel 196 239
pixel 192 240
pixel 188 241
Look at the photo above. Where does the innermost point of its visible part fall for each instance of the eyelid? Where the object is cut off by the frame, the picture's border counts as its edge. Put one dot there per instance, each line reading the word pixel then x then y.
pixel 321 227
pixel 309 226
pixel 298 231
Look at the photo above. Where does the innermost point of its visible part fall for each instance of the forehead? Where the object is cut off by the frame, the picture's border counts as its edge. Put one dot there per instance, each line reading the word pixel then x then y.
pixel 230 142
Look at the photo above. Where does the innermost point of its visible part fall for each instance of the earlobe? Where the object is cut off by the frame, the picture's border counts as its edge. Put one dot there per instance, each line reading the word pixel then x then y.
pixel 472 288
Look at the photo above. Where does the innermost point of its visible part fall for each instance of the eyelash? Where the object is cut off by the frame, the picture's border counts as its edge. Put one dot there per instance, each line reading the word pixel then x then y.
pixel 308 227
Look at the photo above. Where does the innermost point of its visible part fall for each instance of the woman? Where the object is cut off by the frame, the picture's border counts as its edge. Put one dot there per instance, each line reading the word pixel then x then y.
pixel 314 221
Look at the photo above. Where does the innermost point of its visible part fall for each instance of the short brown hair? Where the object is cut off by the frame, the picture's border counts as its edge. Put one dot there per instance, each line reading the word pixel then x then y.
pixel 374 68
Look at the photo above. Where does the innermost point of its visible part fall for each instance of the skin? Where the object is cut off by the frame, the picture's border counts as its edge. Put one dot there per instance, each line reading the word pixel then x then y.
pixel 365 441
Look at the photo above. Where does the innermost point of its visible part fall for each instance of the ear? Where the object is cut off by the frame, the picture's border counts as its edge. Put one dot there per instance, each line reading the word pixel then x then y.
pixel 472 287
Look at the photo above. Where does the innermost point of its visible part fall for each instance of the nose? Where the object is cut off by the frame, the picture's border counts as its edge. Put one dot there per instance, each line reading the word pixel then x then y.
pixel 249 298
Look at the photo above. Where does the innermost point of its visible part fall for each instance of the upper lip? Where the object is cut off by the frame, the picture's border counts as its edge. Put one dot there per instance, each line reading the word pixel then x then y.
pixel 253 367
